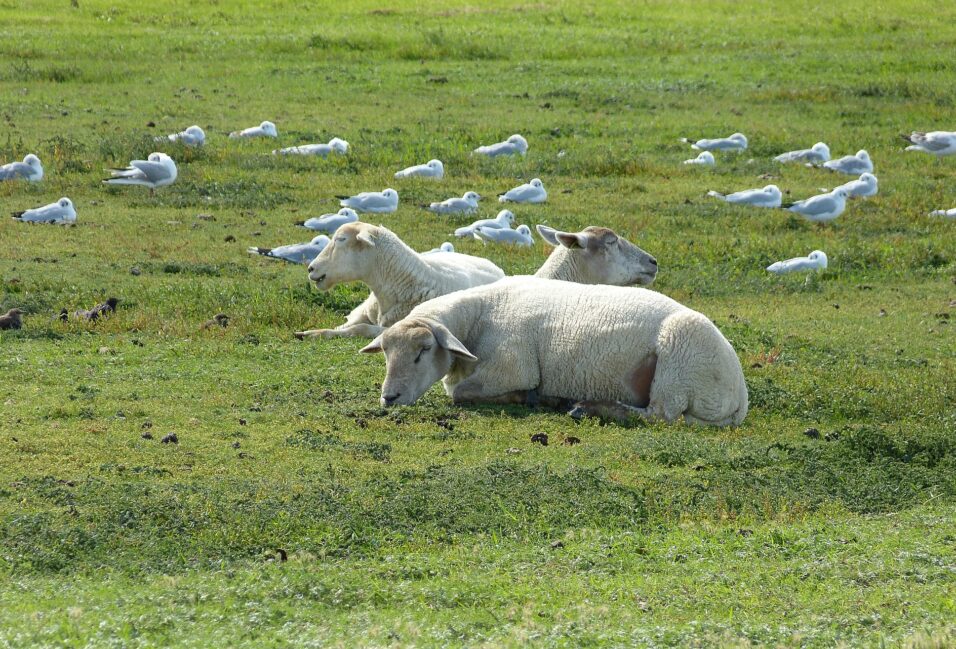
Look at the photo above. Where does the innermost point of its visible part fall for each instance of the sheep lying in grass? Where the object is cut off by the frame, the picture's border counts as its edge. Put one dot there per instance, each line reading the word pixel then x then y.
pixel 595 256
pixel 398 277
pixel 621 352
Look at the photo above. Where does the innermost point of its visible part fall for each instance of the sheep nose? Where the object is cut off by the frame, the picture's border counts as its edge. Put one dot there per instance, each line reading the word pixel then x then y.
pixel 389 399
pixel 653 261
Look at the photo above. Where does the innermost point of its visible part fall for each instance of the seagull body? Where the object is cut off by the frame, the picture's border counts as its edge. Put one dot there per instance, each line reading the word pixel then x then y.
pixel 464 205
pixel 865 185
pixel 58 213
pixel 532 192
pixel 445 247
pixel 736 142
pixel 266 129
pixel 819 152
pixel 335 145
pixel 431 169
pixel 330 222
pixel 512 146
pixel 504 220
pixel 30 169
pixel 383 202
pixel 949 214
pixel 852 165
pixel 939 143
pixel 517 237
pixel 705 158
pixel 157 171
pixel 814 261
pixel 768 196
pixel 296 253
pixel 192 136
pixel 821 208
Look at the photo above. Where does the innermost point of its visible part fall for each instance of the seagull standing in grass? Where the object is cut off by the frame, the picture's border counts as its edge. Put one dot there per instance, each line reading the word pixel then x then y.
pixel 520 236
pixel 467 204
pixel 30 169
pixel 515 144
pixel 296 253
pixel 330 222
pixel 431 169
pixel 939 143
pixel 504 220
pixel 532 192
pixel 266 129
pixel 819 152
pixel 335 145
pixel 158 170
pixel 816 260
pixel 58 213
pixel 383 202
pixel 192 136
pixel 768 196
pixel 705 158
pixel 864 186
pixel 852 165
pixel 822 208
pixel 735 142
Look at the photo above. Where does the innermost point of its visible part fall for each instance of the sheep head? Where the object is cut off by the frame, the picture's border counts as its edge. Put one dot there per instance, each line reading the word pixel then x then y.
pixel 602 257
pixel 349 256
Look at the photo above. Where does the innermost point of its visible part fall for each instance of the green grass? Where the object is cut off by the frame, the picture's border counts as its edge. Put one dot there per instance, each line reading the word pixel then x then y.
pixel 437 525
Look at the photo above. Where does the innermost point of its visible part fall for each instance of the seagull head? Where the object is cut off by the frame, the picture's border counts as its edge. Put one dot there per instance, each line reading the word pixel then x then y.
pixel 269 129
pixel 436 165
pixel 348 211
pixel 819 257
pixel 155 157
pixel 341 146
pixel 822 149
pixel 519 142
pixel 321 239
pixel 839 192
pixel 706 156
pixel 65 203
pixel 536 182
pixel 195 131
pixel 506 216
pixel 471 197
pixel 739 137
pixel 32 161
pixel 868 178
pixel 772 190
pixel 390 194
pixel 862 154
pixel 446 247
pixel 524 229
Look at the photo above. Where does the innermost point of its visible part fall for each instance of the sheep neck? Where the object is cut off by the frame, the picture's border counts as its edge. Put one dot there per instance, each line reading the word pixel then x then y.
pixel 399 273
pixel 561 264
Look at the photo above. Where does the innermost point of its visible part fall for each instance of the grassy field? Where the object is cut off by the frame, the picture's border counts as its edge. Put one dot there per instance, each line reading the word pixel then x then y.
pixel 828 518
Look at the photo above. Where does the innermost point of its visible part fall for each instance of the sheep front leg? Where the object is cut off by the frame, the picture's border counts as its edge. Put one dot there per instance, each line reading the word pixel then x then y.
pixel 360 330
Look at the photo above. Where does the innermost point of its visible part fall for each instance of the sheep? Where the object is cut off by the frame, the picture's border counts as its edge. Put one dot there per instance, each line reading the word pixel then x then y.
pixel 595 255
pixel 620 352
pixel 399 277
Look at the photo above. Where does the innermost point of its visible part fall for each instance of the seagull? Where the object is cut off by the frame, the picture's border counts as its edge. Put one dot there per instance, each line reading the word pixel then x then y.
pixel 514 144
pixel 518 237
pixel 30 169
pixel 330 222
pixel 821 208
pixel 504 220
pixel 815 260
pixel 852 165
pixel 705 158
pixel 445 247
pixel 865 185
pixel 58 213
pixel 769 196
pixel 949 214
pixel 467 204
pixel 192 136
pixel 939 143
pixel 532 192
pixel 383 202
pixel 266 129
pixel 157 171
pixel 431 169
pixel 297 253
pixel 335 145
pixel 819 152
pixel 736 142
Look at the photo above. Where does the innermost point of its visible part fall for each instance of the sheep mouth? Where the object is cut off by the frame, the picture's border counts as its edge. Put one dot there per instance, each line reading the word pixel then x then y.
pixel 645 278
pixel 319 279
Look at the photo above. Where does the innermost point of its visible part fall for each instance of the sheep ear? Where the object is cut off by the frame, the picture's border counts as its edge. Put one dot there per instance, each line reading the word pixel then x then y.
pixel 447 340
pixel 572 240
pixel 365 238
pixel 548 234
pixel 373 347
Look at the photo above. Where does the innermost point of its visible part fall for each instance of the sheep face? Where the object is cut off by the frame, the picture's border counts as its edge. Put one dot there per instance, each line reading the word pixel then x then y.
pixel 349 256
pixel 418 353
pixel 602 257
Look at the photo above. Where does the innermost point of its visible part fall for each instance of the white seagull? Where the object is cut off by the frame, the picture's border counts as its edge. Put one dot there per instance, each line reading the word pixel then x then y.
pixel 445 247
pixel 431 169
pixel 383 202
pixel 296 253
pixel 330 222
pixel 504 220
pixel 192 136
pixel 865 185
pixel 30 169
pixel 521 236
pixel 821 208
pixel 335 145
pixel 705 158
pixel 266 129
pixel 949 214
pixel 158 170
pixel 467 204
pixel 768 196
pixel 532 192
pixel 819 152
pixel 852 165
pixel 814 261
pixel 58 213
pixel 735 142
pixel 513 145
pixel 939 143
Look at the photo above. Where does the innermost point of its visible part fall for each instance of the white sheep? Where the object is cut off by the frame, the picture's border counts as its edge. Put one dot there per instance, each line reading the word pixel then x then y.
pixel 619 352
pixel 399 277
pixel 595 255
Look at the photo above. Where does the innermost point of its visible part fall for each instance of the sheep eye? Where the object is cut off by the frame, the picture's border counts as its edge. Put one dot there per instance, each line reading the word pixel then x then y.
pixel 340 239
pixel 419 357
